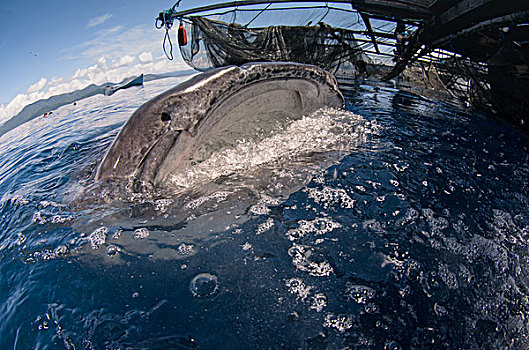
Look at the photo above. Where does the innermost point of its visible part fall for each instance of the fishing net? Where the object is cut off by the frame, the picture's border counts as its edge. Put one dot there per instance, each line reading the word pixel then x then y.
pixel 484 65
pixel 497 83
pixel 212 43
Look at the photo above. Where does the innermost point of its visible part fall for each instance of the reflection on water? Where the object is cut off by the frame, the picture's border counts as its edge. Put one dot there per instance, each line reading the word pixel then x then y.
pixel 402 223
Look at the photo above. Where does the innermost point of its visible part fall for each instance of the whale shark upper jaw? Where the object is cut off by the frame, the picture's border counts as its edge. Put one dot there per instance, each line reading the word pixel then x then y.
pixel 162 135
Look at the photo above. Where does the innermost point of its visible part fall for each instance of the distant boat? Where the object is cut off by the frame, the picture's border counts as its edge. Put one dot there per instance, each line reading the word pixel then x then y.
pixel 134 81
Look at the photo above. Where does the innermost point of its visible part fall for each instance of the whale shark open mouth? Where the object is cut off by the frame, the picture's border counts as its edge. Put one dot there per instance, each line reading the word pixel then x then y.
pixel 219 109
pixel 219 149
pixel 275 147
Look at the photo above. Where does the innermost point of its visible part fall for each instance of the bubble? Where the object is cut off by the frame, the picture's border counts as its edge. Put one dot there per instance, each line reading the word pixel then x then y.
pixel 259 209
pixel 265 226
pixel 60 251
pixel 112 250
pixel 297 287
pixel 371 308
pixel 217 196
pixel 37 218
pixel 408 218
pixel 373 225
pixel 58 219
pixel 185 249
pixel 318 226
pixel 117 234
pixel 162 205
pixel 141 233
pixel 391 345
pixel 16 199
pixel 448 277
pixel 437 225
pixel 319 301
pixel 203 285
pixel 98 237
pixel 340 322
pixel 43 322
pixel 305 259
pixel 380 198
pixel 359 293
pixel 329 197
pixel 21 239
pixel 394 182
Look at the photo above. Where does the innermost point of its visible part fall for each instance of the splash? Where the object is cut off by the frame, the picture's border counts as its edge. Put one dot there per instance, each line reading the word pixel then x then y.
pixel 325 134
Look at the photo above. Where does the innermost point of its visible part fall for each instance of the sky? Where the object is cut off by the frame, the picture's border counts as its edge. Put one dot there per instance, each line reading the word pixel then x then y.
pixel 56 46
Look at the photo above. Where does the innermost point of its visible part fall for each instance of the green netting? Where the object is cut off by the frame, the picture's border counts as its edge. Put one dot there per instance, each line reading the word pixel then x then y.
pixel 212 43
pixel 484 65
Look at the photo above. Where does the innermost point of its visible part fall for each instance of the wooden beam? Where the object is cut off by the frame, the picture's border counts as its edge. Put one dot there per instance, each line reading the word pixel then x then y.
pixel 413 8
pixel 467 13
pixel 376 34
pixel 438 6
pixel 223 5
pixel 389 18
pixel 367 22
pixel 421 37
pixel 379 53
pixel 410 51
pixel 511 19
pixel 377 42
pixel 460 9
pixel 410 9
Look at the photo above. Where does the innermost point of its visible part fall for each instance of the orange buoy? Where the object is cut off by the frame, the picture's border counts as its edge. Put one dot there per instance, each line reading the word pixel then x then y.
pixel 182 36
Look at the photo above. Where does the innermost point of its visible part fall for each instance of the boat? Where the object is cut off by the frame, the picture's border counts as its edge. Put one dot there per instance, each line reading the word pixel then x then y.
pixel 133 81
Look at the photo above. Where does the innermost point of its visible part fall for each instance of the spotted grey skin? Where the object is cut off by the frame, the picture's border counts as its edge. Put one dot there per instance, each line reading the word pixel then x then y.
pixel 161 136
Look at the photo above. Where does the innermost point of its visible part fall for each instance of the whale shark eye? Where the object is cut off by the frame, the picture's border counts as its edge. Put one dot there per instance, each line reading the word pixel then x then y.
pixel 166 117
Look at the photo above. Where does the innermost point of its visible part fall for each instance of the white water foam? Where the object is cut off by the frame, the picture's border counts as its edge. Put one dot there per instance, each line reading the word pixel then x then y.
pixel 324 134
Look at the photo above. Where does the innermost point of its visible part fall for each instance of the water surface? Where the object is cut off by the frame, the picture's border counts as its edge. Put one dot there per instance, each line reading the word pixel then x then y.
pixel 400 223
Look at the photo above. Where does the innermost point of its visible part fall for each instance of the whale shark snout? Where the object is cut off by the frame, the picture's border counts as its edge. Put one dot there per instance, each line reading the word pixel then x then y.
pixel 165 133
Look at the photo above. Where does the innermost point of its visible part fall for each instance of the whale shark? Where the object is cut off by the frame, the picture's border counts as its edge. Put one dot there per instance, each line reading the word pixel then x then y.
pixel 218 153
pixel 165 133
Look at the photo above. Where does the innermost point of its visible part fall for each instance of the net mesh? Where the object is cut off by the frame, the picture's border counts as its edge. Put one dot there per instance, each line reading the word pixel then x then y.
pixel 213 43
pixel 483 68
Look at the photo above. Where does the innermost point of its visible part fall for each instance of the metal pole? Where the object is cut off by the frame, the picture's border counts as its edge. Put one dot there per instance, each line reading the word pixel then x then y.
pixel 409 5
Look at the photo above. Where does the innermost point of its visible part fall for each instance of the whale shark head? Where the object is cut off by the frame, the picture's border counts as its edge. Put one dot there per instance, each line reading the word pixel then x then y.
pixel 169 131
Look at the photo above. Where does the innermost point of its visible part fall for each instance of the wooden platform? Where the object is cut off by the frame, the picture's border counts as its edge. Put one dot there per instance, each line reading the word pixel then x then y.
pixel 479 48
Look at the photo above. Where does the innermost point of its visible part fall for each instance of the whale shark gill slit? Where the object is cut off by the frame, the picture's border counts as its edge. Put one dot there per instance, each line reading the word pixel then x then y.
pixel 172 130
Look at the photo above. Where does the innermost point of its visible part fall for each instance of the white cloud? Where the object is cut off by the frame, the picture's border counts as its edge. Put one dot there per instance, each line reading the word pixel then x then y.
pixel 55 81
pixel 146 57
pixel 39 85
pixel 98 20
pixel 102 61
pixel 126 60
pixel 118 41
pixel 114 54
pixel 97 73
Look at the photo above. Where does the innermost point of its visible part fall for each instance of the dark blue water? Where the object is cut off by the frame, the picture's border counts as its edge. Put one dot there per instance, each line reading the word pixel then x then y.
pixel 414 236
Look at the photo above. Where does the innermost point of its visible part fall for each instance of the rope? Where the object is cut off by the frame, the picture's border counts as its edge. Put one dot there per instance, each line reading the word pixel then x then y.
pixel 257 15
pixel 169 55
pixel 326 13
pixel 176 5
pixel 165 19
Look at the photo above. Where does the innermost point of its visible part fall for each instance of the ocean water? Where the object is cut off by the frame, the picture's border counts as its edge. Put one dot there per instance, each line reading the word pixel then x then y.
pixel 400 223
